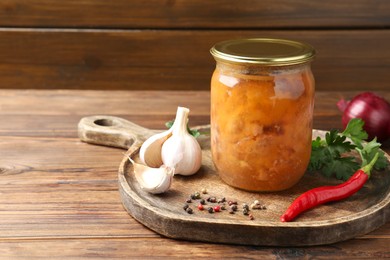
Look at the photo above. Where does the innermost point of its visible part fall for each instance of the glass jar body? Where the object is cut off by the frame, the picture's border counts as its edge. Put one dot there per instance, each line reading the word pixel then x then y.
pixel 261 124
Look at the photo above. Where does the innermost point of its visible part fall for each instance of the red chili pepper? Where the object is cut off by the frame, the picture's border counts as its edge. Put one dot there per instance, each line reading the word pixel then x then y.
pixel 321 195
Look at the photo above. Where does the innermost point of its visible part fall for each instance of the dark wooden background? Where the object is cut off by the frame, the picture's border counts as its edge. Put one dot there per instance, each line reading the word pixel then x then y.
pixel 157 44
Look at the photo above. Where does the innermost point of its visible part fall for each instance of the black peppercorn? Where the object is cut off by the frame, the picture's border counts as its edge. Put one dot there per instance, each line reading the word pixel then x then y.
pixel 189 210
pixel 230 202
pixel 197 195
pixel 222 200
pixel 185 206
pixel 202 201
pixel 188 200
pixel 210 210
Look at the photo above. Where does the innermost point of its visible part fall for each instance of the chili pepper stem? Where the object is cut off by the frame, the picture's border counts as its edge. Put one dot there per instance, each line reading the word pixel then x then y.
pixel 324 194
pixel 368 167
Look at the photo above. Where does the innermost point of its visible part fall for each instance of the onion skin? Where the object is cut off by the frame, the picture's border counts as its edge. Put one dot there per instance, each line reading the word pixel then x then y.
pixel 373 110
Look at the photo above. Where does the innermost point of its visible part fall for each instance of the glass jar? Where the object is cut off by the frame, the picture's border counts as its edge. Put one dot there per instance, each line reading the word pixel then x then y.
pixel 262 99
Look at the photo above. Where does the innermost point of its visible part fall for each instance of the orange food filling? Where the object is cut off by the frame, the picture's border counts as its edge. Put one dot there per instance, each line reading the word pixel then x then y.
pixel 261 125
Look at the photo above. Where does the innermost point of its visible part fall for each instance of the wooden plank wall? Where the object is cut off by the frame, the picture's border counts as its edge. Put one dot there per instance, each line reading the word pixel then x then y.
pixel 164 44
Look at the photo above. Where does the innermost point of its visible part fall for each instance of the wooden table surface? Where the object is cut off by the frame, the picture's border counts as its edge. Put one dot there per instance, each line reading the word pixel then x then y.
pixel 59 197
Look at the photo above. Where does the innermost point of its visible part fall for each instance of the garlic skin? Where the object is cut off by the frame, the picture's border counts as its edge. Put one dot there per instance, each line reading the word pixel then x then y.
pixel 182 151
pixel 153 180
pixel 150 152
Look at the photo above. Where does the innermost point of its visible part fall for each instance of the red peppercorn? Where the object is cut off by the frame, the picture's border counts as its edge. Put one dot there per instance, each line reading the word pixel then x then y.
pixel 217 208
pixel 200 207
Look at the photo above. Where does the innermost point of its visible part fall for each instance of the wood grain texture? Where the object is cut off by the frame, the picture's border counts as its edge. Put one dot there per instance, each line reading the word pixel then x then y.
pixel 364 212
pixel 111 131
pixel 164 248
pixel 135 248
pixel 59 110
pixel 59 197
pixel 324 225
pixel 194 13
pixel 175 59
pixel 53 187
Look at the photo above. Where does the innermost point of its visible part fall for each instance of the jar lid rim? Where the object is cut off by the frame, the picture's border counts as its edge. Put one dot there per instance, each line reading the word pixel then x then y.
pixel 263 51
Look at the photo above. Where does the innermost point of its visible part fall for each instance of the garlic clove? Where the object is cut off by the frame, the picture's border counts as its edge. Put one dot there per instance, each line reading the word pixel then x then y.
pixel 182 151
pixel 153 180
pixel 150 152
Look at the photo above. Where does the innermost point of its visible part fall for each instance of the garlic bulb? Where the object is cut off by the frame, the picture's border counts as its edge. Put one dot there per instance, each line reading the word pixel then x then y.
pixel 181 150
pixel 153 180
pixel 174 148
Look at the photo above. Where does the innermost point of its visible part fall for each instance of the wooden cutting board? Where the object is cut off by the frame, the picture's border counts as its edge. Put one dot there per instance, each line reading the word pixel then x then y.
pixel 333 222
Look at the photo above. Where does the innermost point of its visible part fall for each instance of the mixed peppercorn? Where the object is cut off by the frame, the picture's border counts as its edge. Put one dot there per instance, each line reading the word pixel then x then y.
pixel 213 204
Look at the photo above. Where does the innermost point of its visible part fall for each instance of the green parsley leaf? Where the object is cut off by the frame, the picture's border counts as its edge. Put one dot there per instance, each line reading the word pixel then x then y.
pixel 355 132
pixel 195 133
pixel 318 157
pixel 317 143
pixel 368 151
pixel 342 167
pixel 337 144
pixel 328 155
pixel 169 124
pixel 382 162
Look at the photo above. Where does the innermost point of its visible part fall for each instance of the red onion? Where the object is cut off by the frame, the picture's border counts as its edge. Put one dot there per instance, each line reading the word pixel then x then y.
pixel 373 110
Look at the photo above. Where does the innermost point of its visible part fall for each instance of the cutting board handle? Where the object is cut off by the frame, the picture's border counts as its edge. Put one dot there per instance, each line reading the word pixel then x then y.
pixel 112 131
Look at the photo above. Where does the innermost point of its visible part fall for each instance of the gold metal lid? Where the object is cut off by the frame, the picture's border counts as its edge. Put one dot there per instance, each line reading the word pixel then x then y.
pixel 263 51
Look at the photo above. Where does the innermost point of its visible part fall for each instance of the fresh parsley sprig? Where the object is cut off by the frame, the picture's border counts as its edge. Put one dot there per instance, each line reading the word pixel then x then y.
pixel 194 132
pixel 329 155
